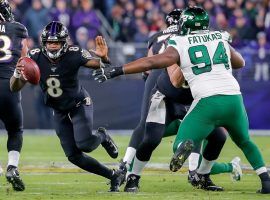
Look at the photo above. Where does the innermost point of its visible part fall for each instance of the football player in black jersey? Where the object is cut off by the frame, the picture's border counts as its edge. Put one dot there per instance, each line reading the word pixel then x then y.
pixel 13 45
pixel 172 104
pixel 73 108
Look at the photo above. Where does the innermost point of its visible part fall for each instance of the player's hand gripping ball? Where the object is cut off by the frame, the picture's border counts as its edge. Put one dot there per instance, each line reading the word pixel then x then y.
pixel 31 70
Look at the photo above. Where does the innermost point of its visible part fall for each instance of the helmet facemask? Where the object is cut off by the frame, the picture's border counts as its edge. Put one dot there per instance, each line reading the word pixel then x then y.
pixel 54 32
pixel 5 11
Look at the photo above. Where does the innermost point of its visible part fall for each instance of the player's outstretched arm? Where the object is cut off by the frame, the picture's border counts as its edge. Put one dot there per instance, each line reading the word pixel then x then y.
pixel 169 57
pixel 101 49
pixel 236 59
pixel 18 80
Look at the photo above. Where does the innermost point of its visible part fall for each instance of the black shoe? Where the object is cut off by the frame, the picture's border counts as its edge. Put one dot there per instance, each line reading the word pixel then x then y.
pixel 123 169
pixel 116 181
pixel 206 183
pixel 180 155
pixel 132 184
pixel 108 143
pixel 265 188
pixel 193 178
pixel 13 177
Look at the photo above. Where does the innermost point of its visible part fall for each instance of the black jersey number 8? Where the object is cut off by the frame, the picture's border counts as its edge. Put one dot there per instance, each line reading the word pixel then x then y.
pixel 5 48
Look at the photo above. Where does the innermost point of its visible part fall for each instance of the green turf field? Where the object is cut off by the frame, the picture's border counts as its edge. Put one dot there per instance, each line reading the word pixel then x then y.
pixel 48 175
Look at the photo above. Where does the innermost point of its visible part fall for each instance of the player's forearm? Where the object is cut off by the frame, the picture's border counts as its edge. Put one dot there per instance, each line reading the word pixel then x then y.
pixel 93 63
pixel 16 84
pixel 176 76
pixel 144 64
pixel 163 60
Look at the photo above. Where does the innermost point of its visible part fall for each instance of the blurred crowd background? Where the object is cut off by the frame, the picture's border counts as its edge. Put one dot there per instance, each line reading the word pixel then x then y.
pixel 127 25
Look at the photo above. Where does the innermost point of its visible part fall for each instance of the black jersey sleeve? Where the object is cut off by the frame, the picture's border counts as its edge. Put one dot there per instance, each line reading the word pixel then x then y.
pixel 85 56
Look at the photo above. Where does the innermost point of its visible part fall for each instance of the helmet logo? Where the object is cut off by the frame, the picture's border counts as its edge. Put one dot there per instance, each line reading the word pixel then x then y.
pixel 62 33
pixel 186 17
pixel 170 20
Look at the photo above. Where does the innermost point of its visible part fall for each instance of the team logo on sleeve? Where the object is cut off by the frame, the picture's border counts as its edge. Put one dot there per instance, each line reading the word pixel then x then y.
pixel 86 54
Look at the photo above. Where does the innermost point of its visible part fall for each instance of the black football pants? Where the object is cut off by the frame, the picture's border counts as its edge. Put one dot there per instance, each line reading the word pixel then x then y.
pixel 12 115
pixel 74 129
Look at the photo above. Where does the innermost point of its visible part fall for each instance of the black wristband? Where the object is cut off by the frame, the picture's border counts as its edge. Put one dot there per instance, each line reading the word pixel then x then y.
pixel 118 71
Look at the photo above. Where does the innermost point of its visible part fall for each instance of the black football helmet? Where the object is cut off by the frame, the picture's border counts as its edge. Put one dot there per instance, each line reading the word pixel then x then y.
pixel 5 11
pixel 54 32
pixel 173 17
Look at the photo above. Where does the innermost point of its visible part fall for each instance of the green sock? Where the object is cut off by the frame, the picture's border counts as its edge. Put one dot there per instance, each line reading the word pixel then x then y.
pixel 219 168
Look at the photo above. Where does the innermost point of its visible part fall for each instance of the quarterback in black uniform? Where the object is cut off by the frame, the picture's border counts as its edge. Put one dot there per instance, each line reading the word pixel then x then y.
pixel 12 46
pixel 73 108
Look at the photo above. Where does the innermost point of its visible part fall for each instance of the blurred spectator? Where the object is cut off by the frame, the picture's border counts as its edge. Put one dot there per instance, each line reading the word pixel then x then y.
pixel 180 4
pixel 262 58
pixel 244 30
pixel 141 36
pixel 87 17
pixel 82 37
pixel 22 5
pixel 35 18
pixel 61 13
pixel 16 12
pixel 48 4
pixel 123 28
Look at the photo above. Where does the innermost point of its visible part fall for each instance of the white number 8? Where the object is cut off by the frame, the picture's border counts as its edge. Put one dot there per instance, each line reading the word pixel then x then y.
pixel 5 49
pixel 54 89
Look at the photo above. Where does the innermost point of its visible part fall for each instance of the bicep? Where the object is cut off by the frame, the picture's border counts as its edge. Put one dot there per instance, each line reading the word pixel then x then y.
pixel 237 60
pixel 169 57
pixel 176 75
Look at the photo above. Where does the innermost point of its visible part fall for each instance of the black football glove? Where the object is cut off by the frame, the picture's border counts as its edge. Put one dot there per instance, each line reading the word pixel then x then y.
pixel 103 74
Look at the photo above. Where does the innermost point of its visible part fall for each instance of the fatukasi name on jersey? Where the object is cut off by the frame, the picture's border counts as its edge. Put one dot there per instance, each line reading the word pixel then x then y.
pixel 205 62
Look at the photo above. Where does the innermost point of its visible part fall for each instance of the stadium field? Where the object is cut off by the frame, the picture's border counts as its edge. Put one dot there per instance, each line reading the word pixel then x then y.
pixel 48 175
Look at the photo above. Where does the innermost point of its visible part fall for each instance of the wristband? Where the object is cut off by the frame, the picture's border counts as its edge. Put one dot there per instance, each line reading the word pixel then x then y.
pixel 17 74
pixel 119 71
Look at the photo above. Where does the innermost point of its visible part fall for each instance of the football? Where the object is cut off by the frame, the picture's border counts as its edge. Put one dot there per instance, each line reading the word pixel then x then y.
pixel 31 70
